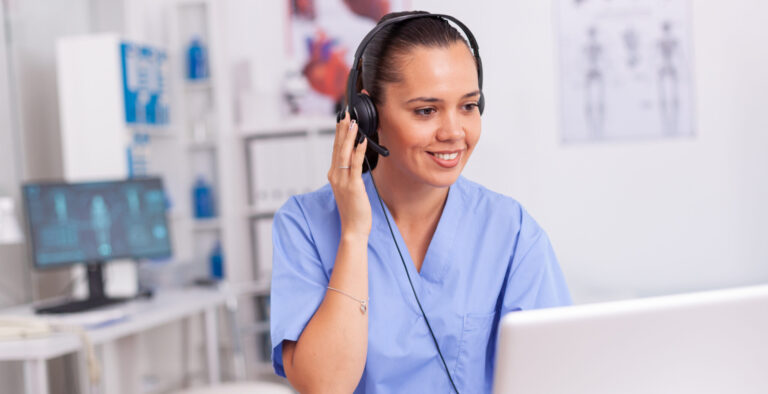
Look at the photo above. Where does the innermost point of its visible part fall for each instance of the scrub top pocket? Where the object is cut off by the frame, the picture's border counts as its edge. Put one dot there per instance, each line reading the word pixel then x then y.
pixel 473 364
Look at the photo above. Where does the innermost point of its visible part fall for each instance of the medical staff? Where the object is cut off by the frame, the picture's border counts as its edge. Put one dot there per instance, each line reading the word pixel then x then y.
pixel 344 317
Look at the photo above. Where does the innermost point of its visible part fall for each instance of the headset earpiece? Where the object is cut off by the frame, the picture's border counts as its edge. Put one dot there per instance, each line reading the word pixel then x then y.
pixel 481 103
pixel 364 112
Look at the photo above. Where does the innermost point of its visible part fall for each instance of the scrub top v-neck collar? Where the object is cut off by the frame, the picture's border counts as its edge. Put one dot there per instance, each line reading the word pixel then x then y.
pixel 487 257
pixel 437 259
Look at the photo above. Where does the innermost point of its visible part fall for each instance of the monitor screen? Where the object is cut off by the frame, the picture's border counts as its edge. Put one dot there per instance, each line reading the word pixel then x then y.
pixel 96 221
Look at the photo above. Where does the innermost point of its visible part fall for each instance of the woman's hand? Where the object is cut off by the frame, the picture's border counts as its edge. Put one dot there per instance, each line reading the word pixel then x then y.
pixel 329 355
pixel 345 177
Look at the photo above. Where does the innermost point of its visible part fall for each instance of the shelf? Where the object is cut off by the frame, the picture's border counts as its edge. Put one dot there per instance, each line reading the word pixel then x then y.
pixel 257 213
pixel 186 3
pixel 212 224
pixel 197 86
pixel 155 132
pixel 254 328
pixel 153 385
pixel 175 216
pixel 289 126
pixel 247 288
pixel 202 145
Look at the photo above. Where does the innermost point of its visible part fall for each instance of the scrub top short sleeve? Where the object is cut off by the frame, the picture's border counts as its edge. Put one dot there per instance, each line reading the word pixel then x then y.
pixel 536 280
pixel 298 279
pixel 487 257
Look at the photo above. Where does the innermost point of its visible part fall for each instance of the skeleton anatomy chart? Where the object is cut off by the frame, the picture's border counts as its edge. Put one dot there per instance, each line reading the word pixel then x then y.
pixel 625 69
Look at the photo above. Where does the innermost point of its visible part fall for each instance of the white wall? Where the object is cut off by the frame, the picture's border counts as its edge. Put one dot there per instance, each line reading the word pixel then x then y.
pixel 627 219
pixel 12 257
pixel 632 218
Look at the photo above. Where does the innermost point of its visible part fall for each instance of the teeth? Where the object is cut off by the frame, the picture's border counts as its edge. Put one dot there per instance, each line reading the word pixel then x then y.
pixel 446 156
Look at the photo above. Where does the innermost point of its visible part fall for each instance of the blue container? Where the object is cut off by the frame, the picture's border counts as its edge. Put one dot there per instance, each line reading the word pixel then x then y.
pixel 197 60
pixel 203 198
pixel 217 262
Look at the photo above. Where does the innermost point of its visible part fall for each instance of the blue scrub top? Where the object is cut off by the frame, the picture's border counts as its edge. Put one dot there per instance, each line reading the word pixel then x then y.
pixel 487 257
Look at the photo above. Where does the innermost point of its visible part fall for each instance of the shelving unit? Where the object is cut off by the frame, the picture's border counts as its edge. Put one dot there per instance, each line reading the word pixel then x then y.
pixel 201 138
pixel 308 125
pixel 273 159
pixel 283 158
pixel 212 146
pixel 202 118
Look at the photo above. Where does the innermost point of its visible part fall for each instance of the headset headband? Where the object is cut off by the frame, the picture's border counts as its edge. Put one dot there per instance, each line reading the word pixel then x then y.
pixel 356 66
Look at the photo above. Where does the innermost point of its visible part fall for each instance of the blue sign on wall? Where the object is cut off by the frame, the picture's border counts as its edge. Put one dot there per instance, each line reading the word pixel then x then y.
pixel 144 76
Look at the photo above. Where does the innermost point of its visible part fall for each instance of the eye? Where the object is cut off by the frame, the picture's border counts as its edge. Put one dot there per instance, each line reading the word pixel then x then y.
pixel 470 106
pixel 424 111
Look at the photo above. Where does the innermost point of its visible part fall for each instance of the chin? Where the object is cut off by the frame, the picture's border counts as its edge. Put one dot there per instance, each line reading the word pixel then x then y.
pixel 441 173
pixel 442 179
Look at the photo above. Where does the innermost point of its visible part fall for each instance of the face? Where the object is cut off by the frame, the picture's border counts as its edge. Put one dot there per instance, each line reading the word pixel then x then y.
pixel 430 121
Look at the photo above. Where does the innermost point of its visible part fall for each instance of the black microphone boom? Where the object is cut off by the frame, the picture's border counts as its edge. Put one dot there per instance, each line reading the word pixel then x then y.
pixel 378 148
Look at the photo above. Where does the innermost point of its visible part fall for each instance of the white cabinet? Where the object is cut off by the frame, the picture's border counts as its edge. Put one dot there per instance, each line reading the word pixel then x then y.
pixel 283 159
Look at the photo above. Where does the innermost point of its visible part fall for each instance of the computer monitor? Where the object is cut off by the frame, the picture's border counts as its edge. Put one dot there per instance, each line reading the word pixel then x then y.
pixel 708 342
pixel 95 222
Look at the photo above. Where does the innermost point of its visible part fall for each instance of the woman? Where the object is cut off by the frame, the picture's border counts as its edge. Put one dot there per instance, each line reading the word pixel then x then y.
pixel 344 315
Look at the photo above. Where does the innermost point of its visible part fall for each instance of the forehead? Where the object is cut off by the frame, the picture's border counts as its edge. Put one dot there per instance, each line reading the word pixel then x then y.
pixel 436 70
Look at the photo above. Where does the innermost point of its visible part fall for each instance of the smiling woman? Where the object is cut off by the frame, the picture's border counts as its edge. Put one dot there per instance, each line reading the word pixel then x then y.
pixel 430 117
pixel 346 316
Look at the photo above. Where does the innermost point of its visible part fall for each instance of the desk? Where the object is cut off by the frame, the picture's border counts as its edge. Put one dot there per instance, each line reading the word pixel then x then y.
pixel 141 315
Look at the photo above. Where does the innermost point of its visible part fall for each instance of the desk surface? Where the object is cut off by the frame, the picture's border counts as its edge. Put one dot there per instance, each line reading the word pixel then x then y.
pixel 137 316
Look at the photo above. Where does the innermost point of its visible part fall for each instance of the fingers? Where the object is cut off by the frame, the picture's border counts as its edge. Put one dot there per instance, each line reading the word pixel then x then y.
pixel 347 158
pixel 341 131
pixel 344 157
pixel 358 156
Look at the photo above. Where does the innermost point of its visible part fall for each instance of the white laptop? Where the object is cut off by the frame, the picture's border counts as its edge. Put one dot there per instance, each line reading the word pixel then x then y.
pixel 710 342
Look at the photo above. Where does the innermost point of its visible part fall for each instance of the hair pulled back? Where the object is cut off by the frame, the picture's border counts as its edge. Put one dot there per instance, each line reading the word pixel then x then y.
pixel 382 57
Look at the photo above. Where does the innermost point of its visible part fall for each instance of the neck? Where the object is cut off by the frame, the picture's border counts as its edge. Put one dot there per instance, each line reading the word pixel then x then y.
pixel 409 201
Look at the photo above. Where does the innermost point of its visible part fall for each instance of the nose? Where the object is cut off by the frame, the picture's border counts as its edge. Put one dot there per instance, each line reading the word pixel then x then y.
pixel 451 127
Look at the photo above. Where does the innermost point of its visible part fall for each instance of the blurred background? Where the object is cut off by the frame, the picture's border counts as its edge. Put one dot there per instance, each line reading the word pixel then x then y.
pixel 633 131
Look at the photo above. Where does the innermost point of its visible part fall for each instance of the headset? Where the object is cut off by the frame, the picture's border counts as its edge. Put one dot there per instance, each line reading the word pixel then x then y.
pixel 361 109
pixel 360 105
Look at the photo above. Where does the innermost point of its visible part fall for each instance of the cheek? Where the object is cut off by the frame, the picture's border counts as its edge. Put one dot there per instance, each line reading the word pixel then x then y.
pixel 410 137
pixel 473 135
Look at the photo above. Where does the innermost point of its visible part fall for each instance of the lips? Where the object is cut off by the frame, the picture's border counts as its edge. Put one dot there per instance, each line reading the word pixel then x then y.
pixel 446 159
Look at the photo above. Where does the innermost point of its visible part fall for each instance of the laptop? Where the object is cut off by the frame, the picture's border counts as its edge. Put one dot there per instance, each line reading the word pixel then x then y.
pixel 708 342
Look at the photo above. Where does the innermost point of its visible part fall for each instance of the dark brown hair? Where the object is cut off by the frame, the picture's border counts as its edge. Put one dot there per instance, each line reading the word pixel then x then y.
pixel 382 57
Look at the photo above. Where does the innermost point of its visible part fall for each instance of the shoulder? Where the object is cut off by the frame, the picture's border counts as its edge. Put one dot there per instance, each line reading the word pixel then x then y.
pixel 310 205
pixel 482 201
pixel 309 222
pixel 313 214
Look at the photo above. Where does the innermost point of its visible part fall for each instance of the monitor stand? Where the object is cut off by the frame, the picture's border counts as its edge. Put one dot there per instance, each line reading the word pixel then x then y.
pixel 97 298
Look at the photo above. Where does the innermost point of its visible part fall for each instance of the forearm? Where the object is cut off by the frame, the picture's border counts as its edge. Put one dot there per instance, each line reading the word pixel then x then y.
pixel 331 351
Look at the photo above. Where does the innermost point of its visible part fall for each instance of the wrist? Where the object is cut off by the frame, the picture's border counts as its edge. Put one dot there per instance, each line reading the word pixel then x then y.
pixel 354 237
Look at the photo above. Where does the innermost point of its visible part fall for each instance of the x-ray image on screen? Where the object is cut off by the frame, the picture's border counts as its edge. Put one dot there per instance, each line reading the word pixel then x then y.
pixel 97 221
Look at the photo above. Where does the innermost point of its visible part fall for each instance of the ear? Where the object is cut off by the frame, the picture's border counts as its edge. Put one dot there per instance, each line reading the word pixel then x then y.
pixel 367 93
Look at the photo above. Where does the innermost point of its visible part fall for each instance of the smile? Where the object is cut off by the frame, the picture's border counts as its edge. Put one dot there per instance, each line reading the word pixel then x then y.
pixel 446 159
pixel 446 156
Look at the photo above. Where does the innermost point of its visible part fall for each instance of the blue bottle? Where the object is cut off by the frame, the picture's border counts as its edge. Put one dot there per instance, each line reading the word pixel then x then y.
pixel 197 60
pixel 203 198
pixel 217 262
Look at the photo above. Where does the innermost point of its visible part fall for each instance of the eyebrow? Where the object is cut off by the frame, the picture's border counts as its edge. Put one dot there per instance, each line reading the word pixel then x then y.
pixel 435 100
